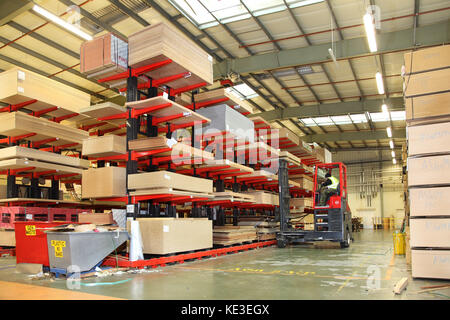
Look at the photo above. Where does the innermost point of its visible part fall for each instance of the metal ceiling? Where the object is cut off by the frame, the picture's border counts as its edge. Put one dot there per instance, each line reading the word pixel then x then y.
pixel 298 90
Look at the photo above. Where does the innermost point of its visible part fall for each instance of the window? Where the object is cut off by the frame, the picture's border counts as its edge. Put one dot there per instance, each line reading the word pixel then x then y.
pixel 341 119
pixel 379 116
pixel 243 91
pixel 323 121
pixel 202 12
pixel 398 115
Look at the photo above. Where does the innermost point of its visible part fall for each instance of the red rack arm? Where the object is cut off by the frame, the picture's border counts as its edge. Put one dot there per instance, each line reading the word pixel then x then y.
pixel 57 148
pixel 137 112
pixel 16 138
pixel 68 116
pixel 180 126
pixel 111 158
pixel 15 107
pixel 37 144
pixel 42 112
pixel 135 155
pixel 174 77
pixel 43 173
pixel 203 104
pixel 156 121
pixel 136 71
pixel 174 92
pixel 95 125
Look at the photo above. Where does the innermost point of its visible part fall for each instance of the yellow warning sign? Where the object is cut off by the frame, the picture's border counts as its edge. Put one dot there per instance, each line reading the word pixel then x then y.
pixel 30 230
pixel 58 245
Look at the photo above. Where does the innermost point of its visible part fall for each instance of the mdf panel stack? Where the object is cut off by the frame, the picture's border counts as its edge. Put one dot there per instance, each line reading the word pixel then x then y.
pixel 160 42
pixel 427 94
pixel 106 182
pixel 20 85
pixel 171 235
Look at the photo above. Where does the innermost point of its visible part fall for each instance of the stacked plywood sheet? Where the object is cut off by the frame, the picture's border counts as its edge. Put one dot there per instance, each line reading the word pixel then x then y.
pixel 170 235
pixel 172 110
pixel 264 197
pixel 179 152
pixel 427 96
pixel 104 56
pixel 104 146
pixel 162 41
pixel 103 182
pixel 147 181
pixel 265 230
pixel 20 85
pixel 234 196
pixel 18 124
pixel 305 182
pixel 233 101
pixel 228 235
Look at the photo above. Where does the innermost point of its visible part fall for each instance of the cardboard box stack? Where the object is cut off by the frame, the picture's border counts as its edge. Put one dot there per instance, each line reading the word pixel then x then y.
pixel 427 100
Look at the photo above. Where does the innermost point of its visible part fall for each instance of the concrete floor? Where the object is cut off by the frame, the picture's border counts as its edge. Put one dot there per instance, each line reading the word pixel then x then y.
pixel 295 272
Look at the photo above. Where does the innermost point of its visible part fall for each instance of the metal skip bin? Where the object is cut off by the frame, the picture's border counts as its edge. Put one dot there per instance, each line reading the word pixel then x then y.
pixel 84 250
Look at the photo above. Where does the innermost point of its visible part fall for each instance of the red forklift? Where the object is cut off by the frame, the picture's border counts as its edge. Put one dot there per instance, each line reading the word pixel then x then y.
pixel 332 221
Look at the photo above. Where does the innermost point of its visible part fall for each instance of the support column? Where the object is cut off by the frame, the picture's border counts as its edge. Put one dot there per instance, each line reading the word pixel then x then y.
pixel 11 187
pixel 283 181
pixel 35 190
pixel 54 190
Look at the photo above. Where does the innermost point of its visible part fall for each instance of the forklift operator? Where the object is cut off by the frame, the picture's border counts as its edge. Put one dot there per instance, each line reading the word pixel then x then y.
pixel 328 188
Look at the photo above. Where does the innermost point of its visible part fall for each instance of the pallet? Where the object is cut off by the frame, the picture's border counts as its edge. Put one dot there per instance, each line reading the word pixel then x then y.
pixel 233 196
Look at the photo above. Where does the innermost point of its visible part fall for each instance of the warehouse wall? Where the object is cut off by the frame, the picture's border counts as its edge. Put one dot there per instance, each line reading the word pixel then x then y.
pixel 366 174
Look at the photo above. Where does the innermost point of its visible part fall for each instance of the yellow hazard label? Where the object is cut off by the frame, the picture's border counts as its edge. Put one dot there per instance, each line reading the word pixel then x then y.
pixel 30 230
pixel 58 245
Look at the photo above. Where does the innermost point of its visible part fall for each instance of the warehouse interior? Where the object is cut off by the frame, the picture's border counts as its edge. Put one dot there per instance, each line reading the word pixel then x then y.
pixel 177 149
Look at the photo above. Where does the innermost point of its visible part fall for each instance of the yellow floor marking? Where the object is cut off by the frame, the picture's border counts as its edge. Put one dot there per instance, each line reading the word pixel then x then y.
pixel 21 291
pixel 354 272
pixel 284 273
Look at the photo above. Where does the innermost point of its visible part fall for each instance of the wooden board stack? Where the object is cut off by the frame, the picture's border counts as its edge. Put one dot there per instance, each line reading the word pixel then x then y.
pixel 265 230
pixel 229 235
pixel 160 42
pixel 427 101
pixel 233 101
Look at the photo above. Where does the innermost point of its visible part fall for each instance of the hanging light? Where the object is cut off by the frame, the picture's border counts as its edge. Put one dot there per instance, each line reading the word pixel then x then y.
pixel 389 132
pixel 393 153
pixel 370 32
pixel 394 161
pixel 50 16
pixel 380 85
pixel 391 144
pixel 384 108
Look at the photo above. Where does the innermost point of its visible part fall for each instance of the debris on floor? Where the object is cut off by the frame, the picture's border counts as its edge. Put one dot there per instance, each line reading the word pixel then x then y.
pixel 401 285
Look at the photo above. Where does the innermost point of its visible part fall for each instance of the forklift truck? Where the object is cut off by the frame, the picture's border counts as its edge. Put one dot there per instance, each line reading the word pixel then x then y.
pixel 332 222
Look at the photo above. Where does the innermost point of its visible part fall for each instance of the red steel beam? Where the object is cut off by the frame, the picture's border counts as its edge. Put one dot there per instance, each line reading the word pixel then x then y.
pixel 15 107
pixel 174 92
pixel 16 138
pixel 136 71
pixel 68 116
pixel 42 112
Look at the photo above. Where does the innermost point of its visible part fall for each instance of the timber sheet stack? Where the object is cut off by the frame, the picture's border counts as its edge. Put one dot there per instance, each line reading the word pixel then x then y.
pixel 160 42
pixel 427 92
pixel 229 235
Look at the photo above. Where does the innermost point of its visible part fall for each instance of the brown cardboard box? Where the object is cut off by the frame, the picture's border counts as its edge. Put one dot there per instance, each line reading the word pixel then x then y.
pixel 96 218
pixel 428 82
pixel 433 170
pixel 167 179
pixel 427 59
pixel 169 235
pixel 104 146
pixel 429 201
pixel 7 238
pixel 430 264
pixel 106 52
pixel 428 109
pixel 429 139
pixel 103 182
pixel 433 232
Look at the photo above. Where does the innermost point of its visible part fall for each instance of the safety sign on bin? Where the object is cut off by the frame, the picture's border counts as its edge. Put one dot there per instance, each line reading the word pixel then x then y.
pixel 30 230
pixel 58 245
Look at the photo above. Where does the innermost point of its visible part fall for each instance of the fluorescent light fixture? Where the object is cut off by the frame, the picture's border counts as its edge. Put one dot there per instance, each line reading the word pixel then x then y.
pixel 384 108
pixel 389 132
pixel 305 70
pixel 394 161
pixel 370 32
pixel 391 144
pixel 50 16
pixel 303 3
pixel 393 153
pixel 380 85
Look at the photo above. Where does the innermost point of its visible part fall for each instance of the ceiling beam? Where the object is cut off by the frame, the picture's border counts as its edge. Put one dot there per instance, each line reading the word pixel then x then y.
pixel 353 135
pixel 9 9
pixel 435 34
pixel 363 149
pixel 129 12
pixel 332 109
